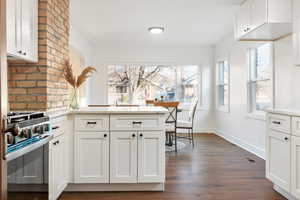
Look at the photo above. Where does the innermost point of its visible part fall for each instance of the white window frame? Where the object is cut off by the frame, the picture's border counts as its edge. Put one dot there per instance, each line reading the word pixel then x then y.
pixel 184 106
pixel 252 112
pixel 219 106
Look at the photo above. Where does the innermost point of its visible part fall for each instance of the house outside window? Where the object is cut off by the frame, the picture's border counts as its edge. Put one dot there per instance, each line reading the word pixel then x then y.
pixel 133 84
pixel 223 85
pixel 260 78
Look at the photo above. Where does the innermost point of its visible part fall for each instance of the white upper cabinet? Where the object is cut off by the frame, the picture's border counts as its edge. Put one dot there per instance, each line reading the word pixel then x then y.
pixel 22 29
pixel 264 19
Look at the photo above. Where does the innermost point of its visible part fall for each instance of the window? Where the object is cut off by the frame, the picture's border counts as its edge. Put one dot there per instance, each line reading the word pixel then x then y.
pixel 223 85
pixel 134 83
pixel 260 84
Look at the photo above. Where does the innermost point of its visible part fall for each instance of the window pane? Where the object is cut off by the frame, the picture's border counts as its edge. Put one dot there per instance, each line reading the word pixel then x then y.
pixel 221 72
pixel 188 83
pixel 263 94
pixel 262 69
pixel 135 84
pixel 223 95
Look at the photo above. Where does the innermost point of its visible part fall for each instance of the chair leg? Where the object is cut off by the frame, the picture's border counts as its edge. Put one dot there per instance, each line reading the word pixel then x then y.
pixel 192 137
pixel 175 141
pixel 189 136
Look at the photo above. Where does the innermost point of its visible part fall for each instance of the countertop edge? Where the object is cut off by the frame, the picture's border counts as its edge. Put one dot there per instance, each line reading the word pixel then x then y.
pixel 284 112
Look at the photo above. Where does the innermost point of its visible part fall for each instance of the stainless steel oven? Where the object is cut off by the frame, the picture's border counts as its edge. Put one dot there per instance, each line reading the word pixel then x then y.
pixel 27 138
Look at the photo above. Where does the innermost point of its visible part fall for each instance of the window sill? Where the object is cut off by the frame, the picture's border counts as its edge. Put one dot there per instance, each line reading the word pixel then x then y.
pixel 261 116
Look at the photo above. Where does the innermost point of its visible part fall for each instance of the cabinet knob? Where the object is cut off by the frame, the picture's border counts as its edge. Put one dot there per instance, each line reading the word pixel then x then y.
pixel 286 138
pixel 133 135
pixel 24 53
pixel 20 52
pixel 105 135
pixel 141 135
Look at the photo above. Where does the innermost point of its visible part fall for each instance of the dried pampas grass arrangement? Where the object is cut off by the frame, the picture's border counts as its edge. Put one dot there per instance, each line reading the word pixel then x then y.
pixel 74 81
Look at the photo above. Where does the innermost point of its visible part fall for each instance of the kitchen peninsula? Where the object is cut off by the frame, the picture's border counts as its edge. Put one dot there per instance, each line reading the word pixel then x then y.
pixel 116 149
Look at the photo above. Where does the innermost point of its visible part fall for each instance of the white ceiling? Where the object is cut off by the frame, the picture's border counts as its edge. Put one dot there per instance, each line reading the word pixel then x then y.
pixel 125 22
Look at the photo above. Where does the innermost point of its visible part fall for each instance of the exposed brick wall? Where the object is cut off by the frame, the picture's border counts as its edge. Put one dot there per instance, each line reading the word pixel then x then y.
pixel 40 86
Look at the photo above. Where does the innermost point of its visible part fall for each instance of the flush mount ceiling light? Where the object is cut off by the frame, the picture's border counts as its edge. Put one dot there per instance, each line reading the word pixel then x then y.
pixel 156 30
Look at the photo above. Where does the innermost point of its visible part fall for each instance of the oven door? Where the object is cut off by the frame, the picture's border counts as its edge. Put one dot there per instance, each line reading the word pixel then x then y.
pixel 3 97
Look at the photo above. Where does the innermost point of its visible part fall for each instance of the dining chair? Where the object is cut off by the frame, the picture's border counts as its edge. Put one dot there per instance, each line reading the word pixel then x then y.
pixel 171 121
pixel 189 124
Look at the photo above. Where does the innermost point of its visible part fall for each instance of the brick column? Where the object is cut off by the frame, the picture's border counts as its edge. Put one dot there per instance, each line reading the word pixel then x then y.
pixel 39 86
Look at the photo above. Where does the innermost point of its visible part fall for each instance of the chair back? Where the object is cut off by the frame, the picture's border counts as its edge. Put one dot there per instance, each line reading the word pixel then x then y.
pixel 150 102
pixel 192 110
pixel 172 107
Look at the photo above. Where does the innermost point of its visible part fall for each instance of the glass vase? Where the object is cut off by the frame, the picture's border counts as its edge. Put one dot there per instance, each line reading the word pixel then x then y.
pixel 74 104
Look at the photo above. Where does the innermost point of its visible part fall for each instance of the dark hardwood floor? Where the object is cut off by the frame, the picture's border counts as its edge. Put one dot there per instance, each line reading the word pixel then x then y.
pixel 214 170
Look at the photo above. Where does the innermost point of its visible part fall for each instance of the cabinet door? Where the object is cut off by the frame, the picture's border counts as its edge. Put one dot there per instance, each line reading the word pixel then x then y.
pixel 151 157
pixel 243 19
pixel 29 170
pixel 57 167
pixel 29 29
pixel 295 187
pixel 13 27
pixel 123 157
pixel 91 160
pixel 278 159
pixel 258 13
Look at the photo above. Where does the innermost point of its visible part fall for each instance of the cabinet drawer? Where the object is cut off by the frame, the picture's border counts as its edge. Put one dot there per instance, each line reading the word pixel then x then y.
pixel 280 123
pixel 142 122
pixel 91 123
pixel 296 126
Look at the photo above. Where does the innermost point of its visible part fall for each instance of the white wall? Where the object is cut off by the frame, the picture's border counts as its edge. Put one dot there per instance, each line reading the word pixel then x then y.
pixel 202 56
pixel 236 125
pixel 81 46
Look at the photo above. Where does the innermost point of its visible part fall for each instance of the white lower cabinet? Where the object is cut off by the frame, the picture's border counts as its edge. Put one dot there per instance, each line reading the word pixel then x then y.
pixel 91 157
pixel 57 167
pixel 137 157
pixel 295 186
pixel 278 161
pixel 151 159
pixel 119 159
pixel 123 157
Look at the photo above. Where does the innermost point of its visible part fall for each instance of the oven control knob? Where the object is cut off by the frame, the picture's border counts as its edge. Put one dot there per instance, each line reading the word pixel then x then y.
pixel 10 138
pixel 37 129
pixel 42 130
pixel 26 133
pixel 47 127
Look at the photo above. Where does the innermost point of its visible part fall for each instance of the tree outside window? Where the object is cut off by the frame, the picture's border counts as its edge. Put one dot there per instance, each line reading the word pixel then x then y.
pixel 133 84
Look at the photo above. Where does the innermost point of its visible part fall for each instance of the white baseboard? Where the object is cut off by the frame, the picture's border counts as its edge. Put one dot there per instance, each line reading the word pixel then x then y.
pixel 115 187
pixel 243 144
pixel 284 193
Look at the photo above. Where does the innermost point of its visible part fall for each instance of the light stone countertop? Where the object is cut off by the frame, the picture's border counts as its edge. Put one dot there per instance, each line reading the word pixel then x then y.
pixel 284 112
pixel 121 110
